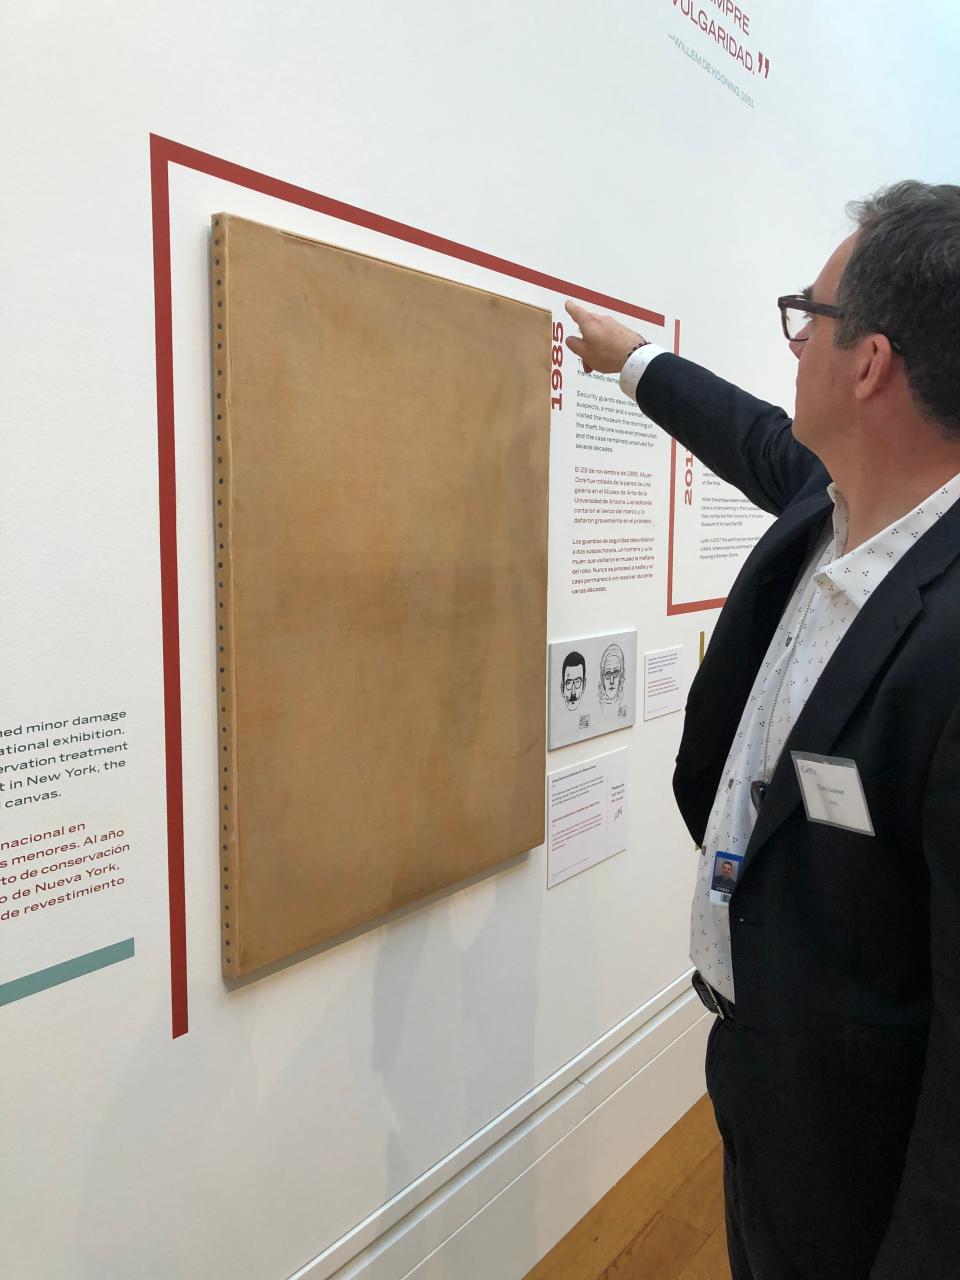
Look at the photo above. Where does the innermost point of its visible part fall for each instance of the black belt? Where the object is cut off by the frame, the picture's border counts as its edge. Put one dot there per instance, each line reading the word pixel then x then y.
pixel 712 999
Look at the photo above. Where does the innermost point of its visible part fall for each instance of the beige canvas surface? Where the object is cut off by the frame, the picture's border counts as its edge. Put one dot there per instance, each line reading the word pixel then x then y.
pixel 381 508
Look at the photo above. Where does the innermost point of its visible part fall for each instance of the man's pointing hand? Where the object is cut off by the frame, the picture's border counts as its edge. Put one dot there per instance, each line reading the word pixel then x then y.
pixel 604 344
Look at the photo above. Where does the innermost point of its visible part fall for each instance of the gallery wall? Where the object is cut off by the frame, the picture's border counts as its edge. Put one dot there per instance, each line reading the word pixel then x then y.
pixel 442 1093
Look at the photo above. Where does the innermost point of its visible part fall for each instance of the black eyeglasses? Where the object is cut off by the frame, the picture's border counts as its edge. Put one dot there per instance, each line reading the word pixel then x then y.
pixel 796 312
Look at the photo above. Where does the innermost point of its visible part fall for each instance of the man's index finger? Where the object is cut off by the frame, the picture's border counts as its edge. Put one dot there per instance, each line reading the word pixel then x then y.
pixel 577 313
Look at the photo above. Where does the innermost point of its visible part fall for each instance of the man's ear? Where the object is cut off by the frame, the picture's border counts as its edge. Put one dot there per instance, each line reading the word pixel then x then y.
pixel 874 367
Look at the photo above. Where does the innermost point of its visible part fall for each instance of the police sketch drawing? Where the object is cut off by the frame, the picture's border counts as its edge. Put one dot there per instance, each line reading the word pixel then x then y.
pixel 613 677
pixel 573 679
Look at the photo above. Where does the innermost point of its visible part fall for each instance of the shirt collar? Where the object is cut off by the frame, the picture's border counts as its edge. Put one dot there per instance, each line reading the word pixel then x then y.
pixel 859 571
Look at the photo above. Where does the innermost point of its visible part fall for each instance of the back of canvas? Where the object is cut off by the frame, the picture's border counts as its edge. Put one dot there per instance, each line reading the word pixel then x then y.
pixel 381 496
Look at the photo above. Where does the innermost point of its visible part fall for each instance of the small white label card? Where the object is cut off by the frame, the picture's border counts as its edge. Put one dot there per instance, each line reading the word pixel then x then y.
pixel 586 815
pixel 662 692
pixel 832 791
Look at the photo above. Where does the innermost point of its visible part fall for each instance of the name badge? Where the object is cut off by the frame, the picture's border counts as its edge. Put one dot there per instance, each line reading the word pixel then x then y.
pixel 832 792
pixel 726 869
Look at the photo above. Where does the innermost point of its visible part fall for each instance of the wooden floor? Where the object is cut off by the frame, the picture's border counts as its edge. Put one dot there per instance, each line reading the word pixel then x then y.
pixel 662 1221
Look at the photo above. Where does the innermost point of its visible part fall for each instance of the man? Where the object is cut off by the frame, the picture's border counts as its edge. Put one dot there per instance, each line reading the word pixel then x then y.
pixel 822 747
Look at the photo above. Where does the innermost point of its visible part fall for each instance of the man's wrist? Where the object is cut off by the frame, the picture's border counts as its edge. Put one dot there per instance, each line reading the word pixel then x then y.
pixel 635 366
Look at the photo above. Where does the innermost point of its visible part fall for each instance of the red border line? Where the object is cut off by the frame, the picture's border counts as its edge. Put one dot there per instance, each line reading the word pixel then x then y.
pixel 670 525
pixel 203 162
pixel 163 153
pixel 169 595
pixel 696 606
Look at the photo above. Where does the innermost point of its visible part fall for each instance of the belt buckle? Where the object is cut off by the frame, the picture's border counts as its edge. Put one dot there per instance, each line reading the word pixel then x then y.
pixel 707 995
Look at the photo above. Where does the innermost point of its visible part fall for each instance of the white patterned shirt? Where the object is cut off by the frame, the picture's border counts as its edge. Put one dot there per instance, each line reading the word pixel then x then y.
pixel 830 592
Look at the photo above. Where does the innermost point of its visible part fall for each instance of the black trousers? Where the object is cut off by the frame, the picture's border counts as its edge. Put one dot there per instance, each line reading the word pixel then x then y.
pixel 792 1206
pixel 752 1245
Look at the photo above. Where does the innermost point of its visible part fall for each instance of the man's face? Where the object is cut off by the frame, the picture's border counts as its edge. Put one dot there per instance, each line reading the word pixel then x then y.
pixel 573 682
pixel 726 869
pixel 824 373
pixel 611 677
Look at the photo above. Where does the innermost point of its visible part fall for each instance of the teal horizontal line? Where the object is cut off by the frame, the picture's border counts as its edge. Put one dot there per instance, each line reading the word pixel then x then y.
pixel 43 979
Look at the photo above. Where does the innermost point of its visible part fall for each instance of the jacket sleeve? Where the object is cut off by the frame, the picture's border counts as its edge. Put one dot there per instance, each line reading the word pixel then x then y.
pixel 923 1239
pixel 746 441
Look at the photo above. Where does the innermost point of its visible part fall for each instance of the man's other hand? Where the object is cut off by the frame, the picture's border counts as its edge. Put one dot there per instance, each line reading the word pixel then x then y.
pixel 605 343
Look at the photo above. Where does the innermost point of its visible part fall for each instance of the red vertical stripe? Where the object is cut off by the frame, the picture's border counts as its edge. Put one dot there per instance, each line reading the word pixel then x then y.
pixel 673 492
pixel 670 526
pixel 170 611
pixel 695 606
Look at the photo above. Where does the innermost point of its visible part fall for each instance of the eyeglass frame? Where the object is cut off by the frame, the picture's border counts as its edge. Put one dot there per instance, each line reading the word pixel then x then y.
pixel 797 302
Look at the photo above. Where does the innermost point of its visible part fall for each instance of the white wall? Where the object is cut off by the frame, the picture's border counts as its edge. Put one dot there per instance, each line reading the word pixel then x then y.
pixel 498 1056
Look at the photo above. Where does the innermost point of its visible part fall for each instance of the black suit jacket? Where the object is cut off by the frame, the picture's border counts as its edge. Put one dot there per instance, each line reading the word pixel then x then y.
pixel 846 947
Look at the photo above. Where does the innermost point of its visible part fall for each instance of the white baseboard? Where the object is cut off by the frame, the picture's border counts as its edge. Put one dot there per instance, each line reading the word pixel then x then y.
pixel 521 1224
pixel 498 1203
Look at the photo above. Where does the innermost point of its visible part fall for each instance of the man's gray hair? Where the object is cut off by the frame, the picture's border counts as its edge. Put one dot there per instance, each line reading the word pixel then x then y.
pixel 903 280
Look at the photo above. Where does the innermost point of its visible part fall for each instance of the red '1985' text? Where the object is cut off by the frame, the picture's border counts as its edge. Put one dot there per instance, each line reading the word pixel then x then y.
pixel 556 373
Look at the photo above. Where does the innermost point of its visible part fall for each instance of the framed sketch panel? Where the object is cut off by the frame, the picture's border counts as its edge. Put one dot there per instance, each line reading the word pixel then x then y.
pixel 593 686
